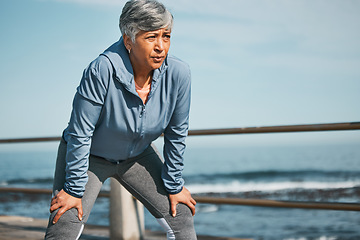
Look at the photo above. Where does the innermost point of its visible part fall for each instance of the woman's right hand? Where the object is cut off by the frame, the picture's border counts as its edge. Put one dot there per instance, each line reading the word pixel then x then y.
pixel 182 197
pixel 65 202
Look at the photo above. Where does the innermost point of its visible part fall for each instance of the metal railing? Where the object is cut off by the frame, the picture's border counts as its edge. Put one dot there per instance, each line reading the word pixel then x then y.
pixel 280 129
pixel 225 131
pixel 346 126
pixel 230 201
pixel 237 201
pixel 133 209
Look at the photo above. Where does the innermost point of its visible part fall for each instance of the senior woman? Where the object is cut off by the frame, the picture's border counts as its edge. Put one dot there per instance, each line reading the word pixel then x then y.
pixel 128 97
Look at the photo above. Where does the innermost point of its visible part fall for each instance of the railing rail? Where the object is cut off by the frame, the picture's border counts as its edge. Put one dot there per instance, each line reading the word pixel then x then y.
pixel 280 129
pixel 225 131
pixel 229 201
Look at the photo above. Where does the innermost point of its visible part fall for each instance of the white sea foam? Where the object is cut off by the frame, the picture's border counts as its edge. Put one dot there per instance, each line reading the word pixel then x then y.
pixel 207 208
pixel 320 238
pixel 3 183
pixel 237 186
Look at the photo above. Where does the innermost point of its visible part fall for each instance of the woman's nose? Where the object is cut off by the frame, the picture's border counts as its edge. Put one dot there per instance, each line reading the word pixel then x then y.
pixel 159 45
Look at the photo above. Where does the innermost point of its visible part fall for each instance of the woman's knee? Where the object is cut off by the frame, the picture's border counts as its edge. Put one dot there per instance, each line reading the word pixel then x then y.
pixel 68 226
pixel 182 225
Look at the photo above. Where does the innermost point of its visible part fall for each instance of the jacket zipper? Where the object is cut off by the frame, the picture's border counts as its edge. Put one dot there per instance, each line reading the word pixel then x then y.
pixel 142 110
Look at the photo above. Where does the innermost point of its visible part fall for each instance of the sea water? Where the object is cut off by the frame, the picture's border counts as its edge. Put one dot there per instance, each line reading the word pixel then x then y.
pixel 329 173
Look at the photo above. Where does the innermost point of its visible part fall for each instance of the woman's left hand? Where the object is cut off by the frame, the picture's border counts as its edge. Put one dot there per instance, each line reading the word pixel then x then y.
pixel 182 197
pixel 64 202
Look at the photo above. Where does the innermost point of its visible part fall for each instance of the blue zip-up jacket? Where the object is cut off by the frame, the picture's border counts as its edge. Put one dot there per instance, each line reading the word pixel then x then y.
pixel 110 120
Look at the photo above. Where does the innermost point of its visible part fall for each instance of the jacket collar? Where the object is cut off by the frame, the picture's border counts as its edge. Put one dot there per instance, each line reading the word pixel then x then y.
pixel 119 58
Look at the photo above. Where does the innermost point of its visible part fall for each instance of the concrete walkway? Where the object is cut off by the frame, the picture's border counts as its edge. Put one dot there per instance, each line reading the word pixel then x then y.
pixel 26 228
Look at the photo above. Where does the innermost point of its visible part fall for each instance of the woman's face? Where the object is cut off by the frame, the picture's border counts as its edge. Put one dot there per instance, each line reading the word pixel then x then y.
pixel 149 50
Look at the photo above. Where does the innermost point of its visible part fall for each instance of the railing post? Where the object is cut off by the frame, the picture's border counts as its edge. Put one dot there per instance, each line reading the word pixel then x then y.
pixel 126 214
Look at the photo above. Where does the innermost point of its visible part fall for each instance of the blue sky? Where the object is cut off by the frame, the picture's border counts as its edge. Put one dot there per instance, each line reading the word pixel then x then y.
pixel 254 63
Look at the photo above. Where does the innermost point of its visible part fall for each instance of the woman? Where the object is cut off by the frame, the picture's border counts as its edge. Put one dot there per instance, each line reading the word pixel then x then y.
pixel 128 97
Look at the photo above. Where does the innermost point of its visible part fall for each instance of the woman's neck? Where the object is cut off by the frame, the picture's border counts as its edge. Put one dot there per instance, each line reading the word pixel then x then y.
pixel 143 84
pixel 142 76
pixel 143 81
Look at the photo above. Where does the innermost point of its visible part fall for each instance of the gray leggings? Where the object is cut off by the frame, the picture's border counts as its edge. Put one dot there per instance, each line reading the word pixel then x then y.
pixel 140 175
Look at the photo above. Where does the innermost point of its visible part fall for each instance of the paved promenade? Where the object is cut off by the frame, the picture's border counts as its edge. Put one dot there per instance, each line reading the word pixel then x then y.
pixel 25 228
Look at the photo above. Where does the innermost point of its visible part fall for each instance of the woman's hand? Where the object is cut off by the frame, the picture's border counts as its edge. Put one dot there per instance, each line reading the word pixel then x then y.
pixel 65 202
pixel 182 197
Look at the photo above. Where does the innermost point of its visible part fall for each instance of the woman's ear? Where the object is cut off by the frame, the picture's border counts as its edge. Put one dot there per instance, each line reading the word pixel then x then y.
pixel 127 42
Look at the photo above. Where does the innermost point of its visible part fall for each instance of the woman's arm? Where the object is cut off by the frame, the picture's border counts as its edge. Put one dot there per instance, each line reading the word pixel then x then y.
pixel 174 136
pixel 87 105
pixel 174 146
pixel 86 110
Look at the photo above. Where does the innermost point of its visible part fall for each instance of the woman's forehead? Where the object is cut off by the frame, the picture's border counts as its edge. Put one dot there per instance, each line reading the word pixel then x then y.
pixel 157 31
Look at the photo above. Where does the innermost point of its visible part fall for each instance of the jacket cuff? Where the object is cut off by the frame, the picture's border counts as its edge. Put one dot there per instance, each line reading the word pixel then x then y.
pixel 175 191
pixel 72 193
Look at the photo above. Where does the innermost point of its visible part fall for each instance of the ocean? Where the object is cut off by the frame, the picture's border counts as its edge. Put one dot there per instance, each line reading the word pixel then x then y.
pixel 329 173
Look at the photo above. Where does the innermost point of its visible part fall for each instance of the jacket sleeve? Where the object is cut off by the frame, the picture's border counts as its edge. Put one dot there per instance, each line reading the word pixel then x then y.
pixel 87 105
pixel 174 136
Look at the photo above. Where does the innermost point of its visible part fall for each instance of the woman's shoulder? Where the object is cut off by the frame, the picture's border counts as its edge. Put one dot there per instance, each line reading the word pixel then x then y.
pixel 96 74
pixel 176 62
pixel 176 65
pixel 101 64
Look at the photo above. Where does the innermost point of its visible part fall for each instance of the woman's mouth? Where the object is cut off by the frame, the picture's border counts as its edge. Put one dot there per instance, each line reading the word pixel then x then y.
pixel 158 58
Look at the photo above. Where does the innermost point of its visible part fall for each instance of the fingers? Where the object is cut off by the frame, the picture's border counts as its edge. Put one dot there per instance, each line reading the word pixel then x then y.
pixel 173 208
pixel 53 201
pixel 191 204
pixel 192 201
pixel 183 197
pixel 64 202
pixel 80 212
pixel 54 204
pixel 54 207
pixel 59 214
pixel 63 209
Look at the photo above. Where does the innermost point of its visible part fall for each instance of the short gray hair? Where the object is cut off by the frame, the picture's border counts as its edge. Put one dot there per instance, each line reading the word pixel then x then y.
pixel 145 15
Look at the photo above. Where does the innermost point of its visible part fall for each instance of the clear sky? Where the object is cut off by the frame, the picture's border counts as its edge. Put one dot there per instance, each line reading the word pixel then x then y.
pixel 254 62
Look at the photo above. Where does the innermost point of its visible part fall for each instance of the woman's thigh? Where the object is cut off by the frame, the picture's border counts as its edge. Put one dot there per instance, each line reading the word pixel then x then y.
pixel 69 226
pixel 141 176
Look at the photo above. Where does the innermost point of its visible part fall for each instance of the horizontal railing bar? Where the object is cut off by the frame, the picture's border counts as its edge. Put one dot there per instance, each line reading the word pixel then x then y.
pixel 230 201
pixel 280 129
pixel 281 204
pixel 223 131
pixel 29 140
pixel 40 191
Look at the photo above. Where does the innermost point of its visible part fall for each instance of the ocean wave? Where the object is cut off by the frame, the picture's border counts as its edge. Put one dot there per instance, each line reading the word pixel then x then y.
pixel 27 181
pixel 237 186
pixel 207 208
pixel 320 238
pixel 275 175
